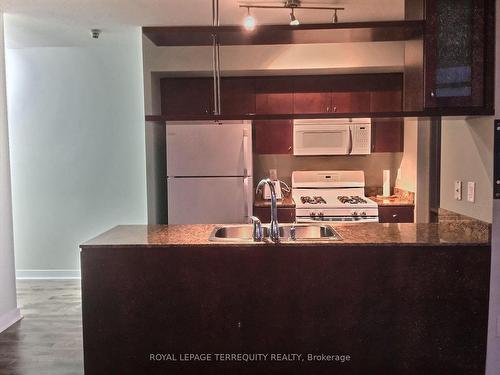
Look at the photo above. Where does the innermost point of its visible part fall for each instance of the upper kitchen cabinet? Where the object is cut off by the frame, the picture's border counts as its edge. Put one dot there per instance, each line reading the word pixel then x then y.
pixel 237 96
pixel 459 56
pixel 273 95
pixel 187 97
pixel 312 94
pixel 386 94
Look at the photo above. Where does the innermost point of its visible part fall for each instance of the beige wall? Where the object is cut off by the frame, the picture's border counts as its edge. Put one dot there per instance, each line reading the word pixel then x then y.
pixel 407 178
pixel 467 155
pixel 373 165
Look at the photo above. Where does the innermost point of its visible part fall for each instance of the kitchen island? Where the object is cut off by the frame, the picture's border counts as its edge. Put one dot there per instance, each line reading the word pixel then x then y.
pixel 388 298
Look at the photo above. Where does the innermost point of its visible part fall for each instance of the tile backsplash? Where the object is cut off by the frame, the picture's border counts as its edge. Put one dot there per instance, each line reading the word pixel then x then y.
pixel 372 165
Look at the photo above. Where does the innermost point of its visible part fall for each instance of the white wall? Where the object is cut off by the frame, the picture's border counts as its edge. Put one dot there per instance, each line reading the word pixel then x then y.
pixel 76 120
pixel 468 157
pixel 9 313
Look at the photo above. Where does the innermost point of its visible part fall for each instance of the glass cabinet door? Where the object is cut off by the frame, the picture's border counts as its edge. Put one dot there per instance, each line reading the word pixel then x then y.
pixel 454 58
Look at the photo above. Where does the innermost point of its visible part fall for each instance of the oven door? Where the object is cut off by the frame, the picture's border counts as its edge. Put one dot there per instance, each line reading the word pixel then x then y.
pixel 321 139
pixel 337 219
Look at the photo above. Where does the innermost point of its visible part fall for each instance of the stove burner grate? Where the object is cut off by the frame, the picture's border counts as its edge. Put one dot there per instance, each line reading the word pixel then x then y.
pixel 312 200
pixel 353 199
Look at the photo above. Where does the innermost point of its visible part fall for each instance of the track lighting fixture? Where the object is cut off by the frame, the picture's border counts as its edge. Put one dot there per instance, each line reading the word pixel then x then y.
pixel 335 17
pixel 293 20
pixel 249 21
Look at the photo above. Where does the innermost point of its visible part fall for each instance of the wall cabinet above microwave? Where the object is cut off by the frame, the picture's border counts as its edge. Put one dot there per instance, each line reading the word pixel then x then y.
pixel 286 95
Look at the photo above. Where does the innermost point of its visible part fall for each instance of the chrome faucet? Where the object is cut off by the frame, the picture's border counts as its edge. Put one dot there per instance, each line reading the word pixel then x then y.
pixel 274 232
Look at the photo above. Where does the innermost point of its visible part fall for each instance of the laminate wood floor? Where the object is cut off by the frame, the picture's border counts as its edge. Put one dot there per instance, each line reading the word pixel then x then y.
pixel 48 341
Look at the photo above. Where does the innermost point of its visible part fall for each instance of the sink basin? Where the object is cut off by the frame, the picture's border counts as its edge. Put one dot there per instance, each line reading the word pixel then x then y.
pixel 243 233
pixel 236 233
pixel 309 232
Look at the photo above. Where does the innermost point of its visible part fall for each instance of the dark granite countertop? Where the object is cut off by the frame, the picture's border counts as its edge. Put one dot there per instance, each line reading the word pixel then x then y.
pixel 392 201
pixel 446 233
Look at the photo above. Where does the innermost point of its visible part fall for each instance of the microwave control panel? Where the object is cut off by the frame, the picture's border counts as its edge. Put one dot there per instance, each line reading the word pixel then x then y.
pixel 361 139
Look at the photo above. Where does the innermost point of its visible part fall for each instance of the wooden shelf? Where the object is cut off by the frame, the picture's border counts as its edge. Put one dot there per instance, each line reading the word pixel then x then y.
pixel 169 36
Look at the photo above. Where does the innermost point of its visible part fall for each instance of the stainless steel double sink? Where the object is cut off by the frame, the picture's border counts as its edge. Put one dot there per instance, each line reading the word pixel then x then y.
pixel 303 232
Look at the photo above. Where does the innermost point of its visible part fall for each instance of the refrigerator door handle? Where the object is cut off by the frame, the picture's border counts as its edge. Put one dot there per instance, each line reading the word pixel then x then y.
pixel 245 152
pixel 248 201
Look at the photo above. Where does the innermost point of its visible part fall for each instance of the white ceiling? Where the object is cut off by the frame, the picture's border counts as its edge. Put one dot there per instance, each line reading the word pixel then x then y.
pixel 118 13
pixel 52 23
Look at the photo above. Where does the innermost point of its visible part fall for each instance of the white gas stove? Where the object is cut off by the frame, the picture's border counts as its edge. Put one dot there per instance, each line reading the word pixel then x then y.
pixel 332 196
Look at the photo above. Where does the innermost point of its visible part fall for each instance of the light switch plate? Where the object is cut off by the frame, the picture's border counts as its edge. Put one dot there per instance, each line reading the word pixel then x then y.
pixel 471 191
pixel 458 190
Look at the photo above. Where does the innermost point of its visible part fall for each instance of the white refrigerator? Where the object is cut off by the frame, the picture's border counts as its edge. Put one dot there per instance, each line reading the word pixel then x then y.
pixel 209 172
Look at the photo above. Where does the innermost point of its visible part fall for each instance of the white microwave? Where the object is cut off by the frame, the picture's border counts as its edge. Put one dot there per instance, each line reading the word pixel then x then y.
pixel 332 137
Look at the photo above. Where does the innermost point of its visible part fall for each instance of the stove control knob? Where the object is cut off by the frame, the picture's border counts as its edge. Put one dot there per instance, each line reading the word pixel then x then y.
pixel 354 213
pixel 321 214
pixel 313 214
pixel 363 213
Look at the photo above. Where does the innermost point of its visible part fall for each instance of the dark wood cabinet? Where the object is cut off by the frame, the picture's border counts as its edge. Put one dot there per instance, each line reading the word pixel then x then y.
pixel 311 94
pixel 238 95
pixel 273 136
pixel 285 214
pixel 273 95
pixel 396 214
pixel 187 96
pixel 350 102
pixel 283 96
pixel 387 135
pixel 458 56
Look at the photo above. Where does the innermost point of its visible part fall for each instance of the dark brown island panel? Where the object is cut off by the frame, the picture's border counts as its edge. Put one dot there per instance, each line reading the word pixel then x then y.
pixel 393 309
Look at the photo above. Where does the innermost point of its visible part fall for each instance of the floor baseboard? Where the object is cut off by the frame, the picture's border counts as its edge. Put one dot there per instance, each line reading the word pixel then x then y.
pixel 9 318
pixel 47 274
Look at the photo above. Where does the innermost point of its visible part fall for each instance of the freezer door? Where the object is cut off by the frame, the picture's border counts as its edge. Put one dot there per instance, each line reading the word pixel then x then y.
pixel 214 149
pixel 209 200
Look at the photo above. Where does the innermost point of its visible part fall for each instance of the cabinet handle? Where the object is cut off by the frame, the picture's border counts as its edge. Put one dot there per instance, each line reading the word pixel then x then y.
pixel 334 109
pixel 328 108
pixel 289 148
pixel 395 216
pixel 433 94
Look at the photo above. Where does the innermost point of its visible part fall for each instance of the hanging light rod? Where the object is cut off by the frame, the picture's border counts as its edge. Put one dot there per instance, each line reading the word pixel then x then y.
pixel 289 7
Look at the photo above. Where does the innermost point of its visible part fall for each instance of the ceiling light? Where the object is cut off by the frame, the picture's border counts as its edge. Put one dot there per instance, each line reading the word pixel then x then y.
pixel 335 17
pixel 249 22
pixel 293 20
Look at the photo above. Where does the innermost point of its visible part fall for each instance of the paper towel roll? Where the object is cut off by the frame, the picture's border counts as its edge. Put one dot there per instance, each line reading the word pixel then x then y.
pixel 387 183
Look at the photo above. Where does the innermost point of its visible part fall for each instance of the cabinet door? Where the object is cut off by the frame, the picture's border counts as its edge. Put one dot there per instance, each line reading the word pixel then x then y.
pixel 273 137
pixel 311 94
pixel 350 102
pixel 388 135
pixel 454 53
pixel 386 101
pixel 237 96
pixel 187 96
pixel 273 95
pixel 396 214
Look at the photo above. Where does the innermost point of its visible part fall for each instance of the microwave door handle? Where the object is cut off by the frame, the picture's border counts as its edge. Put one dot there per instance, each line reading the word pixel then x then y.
pixel 350 140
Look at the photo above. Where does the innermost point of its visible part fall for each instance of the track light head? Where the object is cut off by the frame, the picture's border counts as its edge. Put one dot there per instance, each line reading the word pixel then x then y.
pixel 293 20
pixel 249 22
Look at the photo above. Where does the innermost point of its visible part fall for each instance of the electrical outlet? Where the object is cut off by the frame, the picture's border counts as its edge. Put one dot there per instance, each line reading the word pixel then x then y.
pixel 471 191
pixel 458 190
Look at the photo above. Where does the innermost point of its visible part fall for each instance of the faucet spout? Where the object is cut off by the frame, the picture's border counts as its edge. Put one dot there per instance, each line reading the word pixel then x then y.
pixel 274 229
